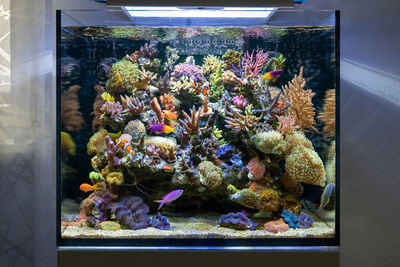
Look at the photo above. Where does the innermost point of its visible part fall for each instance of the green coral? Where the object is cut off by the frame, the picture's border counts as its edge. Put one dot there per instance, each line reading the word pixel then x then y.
pixel 218 134
pixel 210 174
pixel 129 73
pixel 95 176
pixel 249 198
pixel 216 82
pixel 231 57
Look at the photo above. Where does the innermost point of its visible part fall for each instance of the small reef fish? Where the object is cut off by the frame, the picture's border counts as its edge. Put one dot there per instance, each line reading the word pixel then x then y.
pixel 198 87
pixel 170 115
pixel 326 195
pixel 117 79
pixel 107 97
pixel 87 187
pixel 272 74
pixel 168 169
pixel 169 197
pixel 279 104
pixel 161 128
pixel 126 146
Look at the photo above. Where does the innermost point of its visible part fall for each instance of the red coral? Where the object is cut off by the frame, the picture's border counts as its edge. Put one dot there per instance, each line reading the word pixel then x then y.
pixel 256 169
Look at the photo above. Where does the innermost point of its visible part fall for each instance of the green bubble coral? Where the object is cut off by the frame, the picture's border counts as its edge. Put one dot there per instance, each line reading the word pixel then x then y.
pixel 95 176
pixel 115 178
pixel 124 75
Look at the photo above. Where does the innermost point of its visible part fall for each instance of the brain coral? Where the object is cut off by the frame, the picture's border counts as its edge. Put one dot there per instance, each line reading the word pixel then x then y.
pixel 210 174
pixel 267 141
pixel 304 165
pixel 129 73
pixel 96 144
pixel 136 129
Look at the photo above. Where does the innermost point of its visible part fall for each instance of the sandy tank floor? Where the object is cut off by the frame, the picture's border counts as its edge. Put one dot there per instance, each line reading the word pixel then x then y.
pixel 204 226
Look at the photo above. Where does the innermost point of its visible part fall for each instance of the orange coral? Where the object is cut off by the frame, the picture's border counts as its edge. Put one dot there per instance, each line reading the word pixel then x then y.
pixel 327 116
pixel 286 124
pixel 205 110
pixel 155 106
pixel 191 123
pixel 71 117
pixel 167 101
pixel 301 107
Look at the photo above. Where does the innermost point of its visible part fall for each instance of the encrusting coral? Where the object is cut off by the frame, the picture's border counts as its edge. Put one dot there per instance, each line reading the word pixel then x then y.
pixel 301 108
pixel 328 114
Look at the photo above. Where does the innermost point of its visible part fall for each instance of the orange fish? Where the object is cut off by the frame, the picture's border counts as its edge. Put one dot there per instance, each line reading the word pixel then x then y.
pixel 170 115
pixel 168 169
pixel 198 87
pixel 279 104
pixel 87 187
pixel 117 78
pixel 123 144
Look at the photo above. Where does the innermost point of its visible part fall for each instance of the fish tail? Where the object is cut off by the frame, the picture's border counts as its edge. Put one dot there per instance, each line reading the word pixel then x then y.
pixel 96 186
pixel 160 202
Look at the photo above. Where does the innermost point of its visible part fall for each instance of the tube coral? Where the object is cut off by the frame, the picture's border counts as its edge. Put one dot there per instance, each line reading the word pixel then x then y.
pixel 301 107
pixel 327 116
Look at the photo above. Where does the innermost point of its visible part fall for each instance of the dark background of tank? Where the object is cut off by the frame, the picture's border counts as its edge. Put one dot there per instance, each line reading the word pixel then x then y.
pixel 311 47
pixel 369 132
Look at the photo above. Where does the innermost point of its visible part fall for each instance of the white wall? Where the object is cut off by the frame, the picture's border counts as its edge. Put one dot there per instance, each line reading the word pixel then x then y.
pixel 370 183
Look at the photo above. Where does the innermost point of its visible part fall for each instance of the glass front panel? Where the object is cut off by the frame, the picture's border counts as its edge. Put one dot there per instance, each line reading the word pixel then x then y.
pixel 198 127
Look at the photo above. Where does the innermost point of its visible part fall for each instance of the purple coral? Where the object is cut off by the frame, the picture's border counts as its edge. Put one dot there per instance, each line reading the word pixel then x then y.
pixel 187 70
pixel 240 102
pixel 160 222
pixel 152 150
pixel 113 109
pixel 131 212
pixel 237 221
pixel 112 149
pixel 251 64
pixel 305 221
pixel 148 51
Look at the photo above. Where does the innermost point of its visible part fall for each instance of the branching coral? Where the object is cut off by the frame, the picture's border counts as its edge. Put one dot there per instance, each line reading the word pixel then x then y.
pixel 210 64
pixel 71 117
pixel 155 106
pixel 301 107
pixel 229 77
pixel 145 78
pixel 167 101
pixel 191 123
pixel 148 51
pixel 132 105
pixel 238 122
pixel 171 54
pixel 112 110
pixel 205 111
pixel 327 116
pixel 286 124
pixel 112 149
pixel 271 106
pixel 251 64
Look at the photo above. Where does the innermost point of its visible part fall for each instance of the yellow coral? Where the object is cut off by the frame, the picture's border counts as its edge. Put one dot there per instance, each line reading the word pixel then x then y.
pixel 327 116
pixel 115 178
pixel 184 83
pixel 161 142
pixel 97 144
pixel 267 141
pixel 304 165
pixel 107 97
pixel 67 144
pixel 293 139
pixel 211 63
pixel 301 107
pixel 269 194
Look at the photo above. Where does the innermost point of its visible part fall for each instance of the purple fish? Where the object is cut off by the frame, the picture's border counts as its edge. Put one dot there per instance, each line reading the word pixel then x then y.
pixel 161 128
pixel 272 74
pixel 169 197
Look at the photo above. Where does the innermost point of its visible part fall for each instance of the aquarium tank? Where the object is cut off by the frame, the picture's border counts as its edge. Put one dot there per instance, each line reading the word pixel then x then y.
pixel 197 127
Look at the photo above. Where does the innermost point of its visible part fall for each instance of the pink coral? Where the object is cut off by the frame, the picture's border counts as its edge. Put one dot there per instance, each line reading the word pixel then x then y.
pixel 187 70
pixel 276 226
pixel 256 169
pixel 113 109
pixel 254 63
pixel 240 102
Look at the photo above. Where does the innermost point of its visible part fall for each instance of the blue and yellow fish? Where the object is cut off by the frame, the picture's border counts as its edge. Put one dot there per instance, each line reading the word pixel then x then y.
pixel 198 87
pixel 326 195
